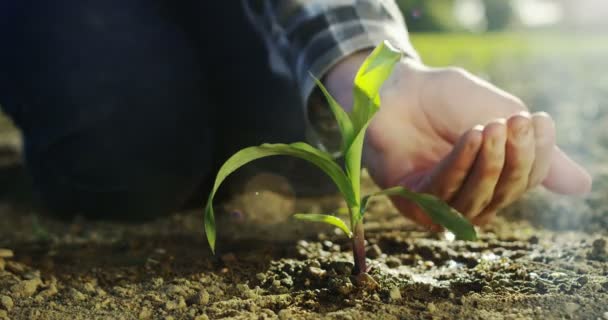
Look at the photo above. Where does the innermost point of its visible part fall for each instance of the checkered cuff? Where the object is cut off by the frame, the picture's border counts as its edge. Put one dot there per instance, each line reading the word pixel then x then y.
pixel 310 36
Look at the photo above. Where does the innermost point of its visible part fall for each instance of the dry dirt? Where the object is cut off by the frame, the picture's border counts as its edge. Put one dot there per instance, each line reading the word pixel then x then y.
pixel 270 267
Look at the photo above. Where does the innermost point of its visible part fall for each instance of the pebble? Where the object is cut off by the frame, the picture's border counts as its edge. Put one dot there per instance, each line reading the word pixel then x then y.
pixel 6 253
pixel 431 307
pixel 49 292
pixel 202 317
pixel 6 302
pixel 170 305
pixel 393 262
pixel 15 267
pixel 145 314
pixel 285 314
pixel 316 273
pixel 606 315
pixel 571 307
pixel 373 251
pixel 26 288
pixel 201 298
pixel 77 295
pixel 366 282
pixel 395 293
pixel 344 268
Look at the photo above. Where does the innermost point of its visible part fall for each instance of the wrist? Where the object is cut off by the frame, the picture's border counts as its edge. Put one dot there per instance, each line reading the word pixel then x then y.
pixel 340 78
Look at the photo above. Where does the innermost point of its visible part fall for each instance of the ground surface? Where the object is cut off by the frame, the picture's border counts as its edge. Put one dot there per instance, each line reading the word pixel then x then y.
pixel 544 258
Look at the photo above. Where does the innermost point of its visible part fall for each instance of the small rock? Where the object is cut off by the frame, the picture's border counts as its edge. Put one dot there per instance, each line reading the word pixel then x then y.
pixel 285 314
pixel 327 244
pixel 202 317
pixel 6 302
pixel 261 277
pixel 287 282
pixel 395 293
pixel 175 290
pixel 393 262
pixel 316 273
pixel 243 289
pixel 571 307
pixel 180 303
pixel 431 307
pixel 26 288
pixel 6 253
pixel 344 268
pixel 15 267
pixel 582 280
pixel 373 251
pixel 3 314
pixel 145 314
pixel 341 285
pixel 599 251
pixel 89 287
pixel 606 315
pixel 201 298
pixel 77 295
pixel 49 292
pixel 366 282
pixel 533 240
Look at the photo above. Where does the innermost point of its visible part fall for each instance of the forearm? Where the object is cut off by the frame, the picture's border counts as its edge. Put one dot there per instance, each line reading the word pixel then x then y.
pixel 307 37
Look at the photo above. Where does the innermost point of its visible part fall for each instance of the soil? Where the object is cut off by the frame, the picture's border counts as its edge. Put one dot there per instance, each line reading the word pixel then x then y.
pixel 270 267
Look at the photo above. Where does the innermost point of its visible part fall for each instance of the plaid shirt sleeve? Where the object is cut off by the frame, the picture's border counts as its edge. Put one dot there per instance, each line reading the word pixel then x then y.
pixel 310 36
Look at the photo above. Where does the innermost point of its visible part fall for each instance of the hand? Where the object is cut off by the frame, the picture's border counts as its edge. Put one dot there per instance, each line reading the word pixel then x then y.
pixel 451 134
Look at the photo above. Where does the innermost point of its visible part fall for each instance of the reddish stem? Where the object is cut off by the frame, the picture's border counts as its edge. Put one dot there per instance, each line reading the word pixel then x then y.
pixel 359 249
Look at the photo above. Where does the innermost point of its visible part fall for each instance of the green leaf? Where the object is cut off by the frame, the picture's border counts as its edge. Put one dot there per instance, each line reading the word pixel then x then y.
pixel 342 118
pixel 325 218
pixel 439 211
pixel 301 150
pixel 353 161
pixel 368 81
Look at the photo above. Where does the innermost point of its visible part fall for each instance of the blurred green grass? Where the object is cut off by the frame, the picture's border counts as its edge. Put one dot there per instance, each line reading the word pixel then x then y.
pixel 479 52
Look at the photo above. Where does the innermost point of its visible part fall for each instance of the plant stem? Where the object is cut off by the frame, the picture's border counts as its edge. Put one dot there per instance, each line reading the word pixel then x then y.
pixel 359 249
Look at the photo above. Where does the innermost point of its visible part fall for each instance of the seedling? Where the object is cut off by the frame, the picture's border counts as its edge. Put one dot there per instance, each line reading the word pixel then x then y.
pixel 370 77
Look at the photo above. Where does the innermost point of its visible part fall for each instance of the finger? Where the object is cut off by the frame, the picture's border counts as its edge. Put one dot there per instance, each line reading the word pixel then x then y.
pixel 544 139
pixel 519 158
pixel 446 178
pixel 478 189
pixel 484 219
pixel 566 176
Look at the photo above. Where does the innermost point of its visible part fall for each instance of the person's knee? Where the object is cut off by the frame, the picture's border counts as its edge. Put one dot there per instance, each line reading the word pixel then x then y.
pixel 109 176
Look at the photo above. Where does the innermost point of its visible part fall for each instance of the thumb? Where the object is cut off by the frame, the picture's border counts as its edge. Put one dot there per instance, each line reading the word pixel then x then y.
pixel 566 176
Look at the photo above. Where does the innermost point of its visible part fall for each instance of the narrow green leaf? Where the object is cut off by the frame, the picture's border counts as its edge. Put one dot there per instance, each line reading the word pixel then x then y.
pixel 301 150
pixel 370 77
pixel 342 118
pixel 353 161
pixel 324 218
pixel 439 211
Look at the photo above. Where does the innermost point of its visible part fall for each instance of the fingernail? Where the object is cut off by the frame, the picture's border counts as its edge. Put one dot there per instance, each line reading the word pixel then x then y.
pixel 525 114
